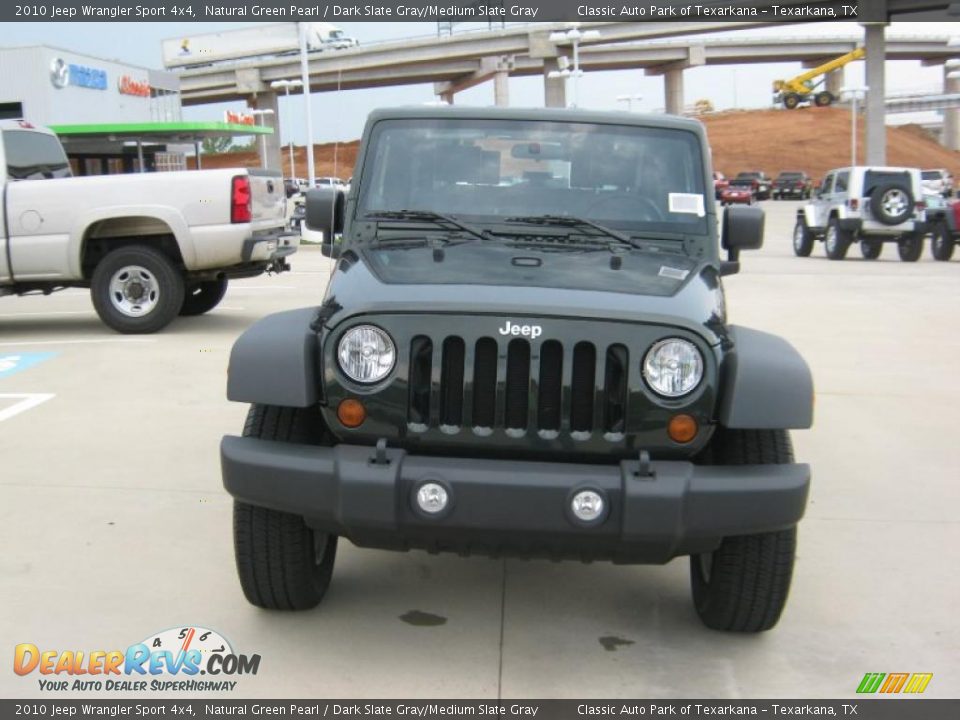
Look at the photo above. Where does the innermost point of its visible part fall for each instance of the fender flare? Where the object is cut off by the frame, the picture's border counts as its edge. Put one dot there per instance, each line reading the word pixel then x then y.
pixel 170 217
pixel 808 216
pixel 766 384
pixel 275 361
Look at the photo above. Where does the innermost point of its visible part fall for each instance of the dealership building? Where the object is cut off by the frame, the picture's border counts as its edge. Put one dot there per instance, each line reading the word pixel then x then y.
pixel 112 117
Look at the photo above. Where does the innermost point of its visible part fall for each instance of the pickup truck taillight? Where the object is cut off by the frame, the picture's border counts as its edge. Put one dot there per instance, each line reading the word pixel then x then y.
pixel 240 197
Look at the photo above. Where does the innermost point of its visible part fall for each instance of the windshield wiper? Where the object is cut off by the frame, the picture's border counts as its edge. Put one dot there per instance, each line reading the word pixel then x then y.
pixel 425 216
pixel 573 222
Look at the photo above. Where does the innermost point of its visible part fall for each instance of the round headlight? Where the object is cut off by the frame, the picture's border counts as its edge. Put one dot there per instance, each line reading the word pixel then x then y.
pixel 673 367
pixel 366 354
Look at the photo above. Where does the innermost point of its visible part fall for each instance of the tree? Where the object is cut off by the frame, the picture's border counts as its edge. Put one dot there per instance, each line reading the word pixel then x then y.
pixel 216 145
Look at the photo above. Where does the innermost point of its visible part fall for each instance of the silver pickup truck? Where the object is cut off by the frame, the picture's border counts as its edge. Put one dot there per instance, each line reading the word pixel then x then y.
pixel 149 246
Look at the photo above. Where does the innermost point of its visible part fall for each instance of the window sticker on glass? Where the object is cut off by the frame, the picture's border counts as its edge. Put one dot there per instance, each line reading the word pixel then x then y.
pixel 690 203
pixel 672 272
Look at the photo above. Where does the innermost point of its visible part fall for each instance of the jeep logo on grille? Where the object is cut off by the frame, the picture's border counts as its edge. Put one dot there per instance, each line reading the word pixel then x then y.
pixel 530 331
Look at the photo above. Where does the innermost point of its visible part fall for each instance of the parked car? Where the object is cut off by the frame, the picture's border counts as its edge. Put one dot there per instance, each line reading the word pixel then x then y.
pixel 762 184
pixel 739 192
pixel 334 182
pixel 149 246
pixel 719 183
pixel 869 205
pixel 792 184
pixel 491 386
pixel 938 181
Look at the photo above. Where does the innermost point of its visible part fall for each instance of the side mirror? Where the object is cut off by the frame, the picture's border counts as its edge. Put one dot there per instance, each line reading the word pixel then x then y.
pixel 742 230
pixel 324 214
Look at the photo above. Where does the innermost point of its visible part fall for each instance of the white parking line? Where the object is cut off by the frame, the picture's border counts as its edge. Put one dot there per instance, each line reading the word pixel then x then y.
pixel 27 401
pixel 92 341
pixel 50 312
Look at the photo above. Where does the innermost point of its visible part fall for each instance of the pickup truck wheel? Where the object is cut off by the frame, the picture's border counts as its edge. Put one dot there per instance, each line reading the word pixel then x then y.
pixel 743 585
pixel 136 289
pixel 941 242
pixel 871 249
pixel 910 247
pixel 203 296
pixel 802 239
pixel 836 241
pixel 282 563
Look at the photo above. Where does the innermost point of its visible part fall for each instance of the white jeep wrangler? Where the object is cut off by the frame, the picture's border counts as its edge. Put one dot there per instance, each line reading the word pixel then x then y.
pixel 869 205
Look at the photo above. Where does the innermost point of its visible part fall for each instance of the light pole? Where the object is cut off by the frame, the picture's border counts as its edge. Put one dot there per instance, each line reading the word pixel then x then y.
pixel 263 138
pixel 305 80
pixel 628 99
pixel 854 94
pixel 286 85
pixel 574 36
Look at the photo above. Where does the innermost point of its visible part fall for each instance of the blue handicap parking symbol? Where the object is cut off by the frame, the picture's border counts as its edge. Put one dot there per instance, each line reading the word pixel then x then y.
pixel 13 363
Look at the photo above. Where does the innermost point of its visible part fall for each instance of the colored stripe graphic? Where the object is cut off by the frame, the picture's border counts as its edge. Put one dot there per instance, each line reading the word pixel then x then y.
pixel 918 682
pixel 870 682
pixel 894 683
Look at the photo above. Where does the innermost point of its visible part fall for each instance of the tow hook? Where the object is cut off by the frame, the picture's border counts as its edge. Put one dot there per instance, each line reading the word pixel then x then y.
pixel 380 458
pixel 645 469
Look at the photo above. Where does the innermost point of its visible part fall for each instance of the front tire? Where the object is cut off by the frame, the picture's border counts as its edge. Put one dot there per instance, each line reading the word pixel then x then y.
pixel 136 289
pixel 203 296
pixel 802 239
pixel 910 247
pixel 282 563
pixel 941 242
pixel 743 585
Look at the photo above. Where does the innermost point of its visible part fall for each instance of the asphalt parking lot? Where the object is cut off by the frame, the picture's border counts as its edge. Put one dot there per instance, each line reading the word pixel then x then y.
pixel 115 525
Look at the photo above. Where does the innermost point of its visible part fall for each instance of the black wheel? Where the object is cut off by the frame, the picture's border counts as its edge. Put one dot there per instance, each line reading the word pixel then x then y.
pixel 203 296
pixel 791 101
pixel 743 585
pixel 136 289
pixel 871 249
pixel 941 242
pixel 802 239
pixel 823 99
pixel 891 203
pixel 836 241
pixel 282 563
pixel 910 247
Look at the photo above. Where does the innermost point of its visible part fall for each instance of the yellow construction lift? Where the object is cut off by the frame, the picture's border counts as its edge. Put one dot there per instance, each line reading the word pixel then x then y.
pixel 802 89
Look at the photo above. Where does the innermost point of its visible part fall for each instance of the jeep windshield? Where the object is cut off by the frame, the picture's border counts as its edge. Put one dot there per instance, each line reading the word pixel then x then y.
pixel 491 173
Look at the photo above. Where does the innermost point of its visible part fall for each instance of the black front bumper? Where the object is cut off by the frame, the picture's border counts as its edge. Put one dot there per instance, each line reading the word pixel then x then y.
pixel 502 507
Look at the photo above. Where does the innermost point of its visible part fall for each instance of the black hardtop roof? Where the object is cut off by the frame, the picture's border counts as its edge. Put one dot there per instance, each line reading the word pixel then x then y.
pixel 539 114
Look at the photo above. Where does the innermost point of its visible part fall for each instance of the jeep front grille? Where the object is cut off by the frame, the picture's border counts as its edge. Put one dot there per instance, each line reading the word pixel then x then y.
pixel 518 386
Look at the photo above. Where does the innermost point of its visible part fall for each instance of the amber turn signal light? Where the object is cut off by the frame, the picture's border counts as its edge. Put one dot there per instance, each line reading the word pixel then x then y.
pixel 682 428
pixel 351 413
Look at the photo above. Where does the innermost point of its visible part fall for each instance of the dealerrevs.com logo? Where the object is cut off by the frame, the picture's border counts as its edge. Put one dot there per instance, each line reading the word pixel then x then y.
pixel 170 661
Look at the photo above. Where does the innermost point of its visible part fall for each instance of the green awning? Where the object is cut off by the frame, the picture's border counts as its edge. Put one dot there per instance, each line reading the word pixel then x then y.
pixel 171 132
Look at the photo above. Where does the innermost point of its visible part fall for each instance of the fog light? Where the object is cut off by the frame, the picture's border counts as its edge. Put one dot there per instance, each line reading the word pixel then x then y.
pixel 587 506
pixel 682 428
pixel 432 498
pixel 351 413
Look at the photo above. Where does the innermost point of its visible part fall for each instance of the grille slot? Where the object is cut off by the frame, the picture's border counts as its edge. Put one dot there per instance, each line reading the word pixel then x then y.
pixel 581 394
pixel 451 382
pixel 421 365
pixel 518 384
pixel 485 383
pixel 615 389
pixel 551 386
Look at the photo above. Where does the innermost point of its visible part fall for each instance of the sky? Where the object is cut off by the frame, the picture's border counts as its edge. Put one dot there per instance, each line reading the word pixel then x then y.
pixel 340 115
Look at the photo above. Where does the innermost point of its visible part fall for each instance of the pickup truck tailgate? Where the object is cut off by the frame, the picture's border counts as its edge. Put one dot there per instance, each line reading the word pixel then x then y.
pixel 269 199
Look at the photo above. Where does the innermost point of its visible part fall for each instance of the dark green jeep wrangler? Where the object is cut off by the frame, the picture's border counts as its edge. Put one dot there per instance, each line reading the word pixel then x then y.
pixel 523 351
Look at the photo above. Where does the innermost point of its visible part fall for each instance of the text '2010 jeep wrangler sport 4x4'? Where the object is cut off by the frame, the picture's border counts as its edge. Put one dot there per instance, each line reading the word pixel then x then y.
pixel 523 351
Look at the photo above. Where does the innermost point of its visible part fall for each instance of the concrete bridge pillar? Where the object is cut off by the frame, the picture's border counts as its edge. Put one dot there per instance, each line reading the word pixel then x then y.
pixel 501 89
pixel 673 90
pixel 951 116
pixel 876 135
pixel 554 89
pixel 834 82
pixel 268 145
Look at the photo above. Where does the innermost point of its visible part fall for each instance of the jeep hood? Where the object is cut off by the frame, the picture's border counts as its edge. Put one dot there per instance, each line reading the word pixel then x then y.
pixel 507 279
